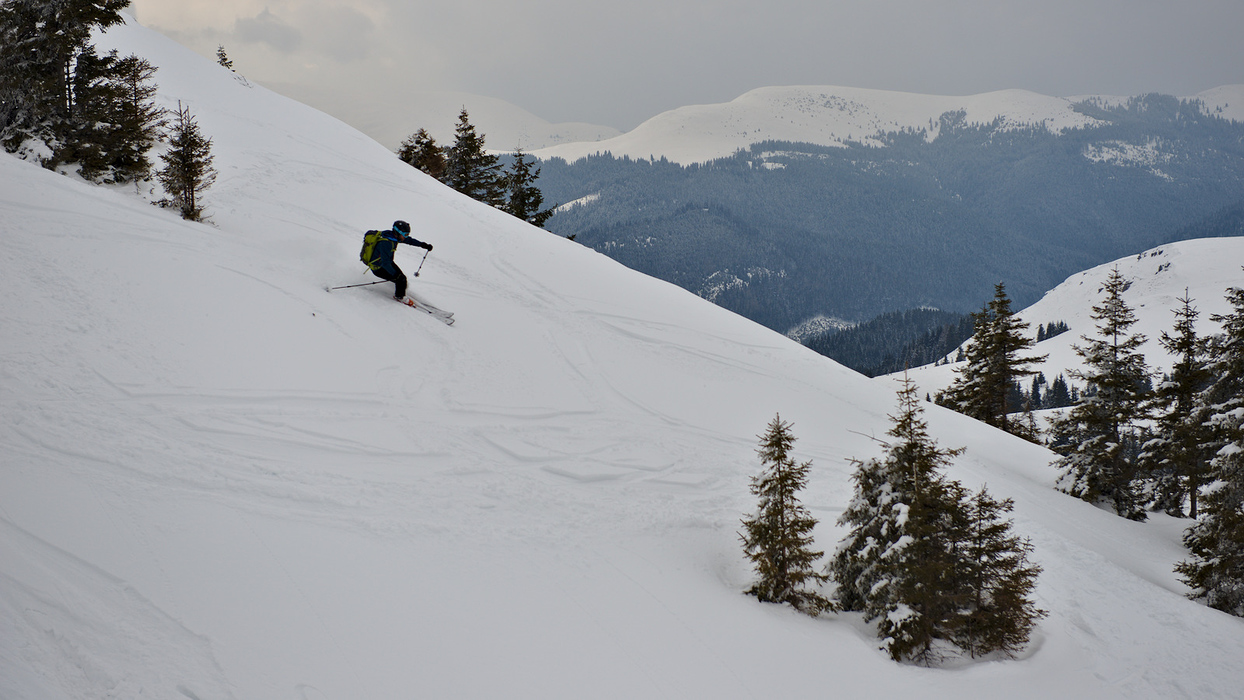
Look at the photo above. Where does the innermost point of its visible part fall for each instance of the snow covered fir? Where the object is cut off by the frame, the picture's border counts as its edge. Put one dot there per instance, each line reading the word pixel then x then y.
pixel 219 481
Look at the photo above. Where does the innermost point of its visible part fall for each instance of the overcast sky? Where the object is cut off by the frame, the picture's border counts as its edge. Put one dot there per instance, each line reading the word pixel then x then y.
pixel 619 63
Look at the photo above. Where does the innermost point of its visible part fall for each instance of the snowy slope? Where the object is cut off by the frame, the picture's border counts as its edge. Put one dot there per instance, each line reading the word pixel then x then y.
pixel 218 481
pixel 1203 268
pixel 1226 101
pixel 831 116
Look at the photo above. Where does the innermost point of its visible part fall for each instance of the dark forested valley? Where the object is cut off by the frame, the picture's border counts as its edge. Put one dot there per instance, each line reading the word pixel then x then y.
pixel 786 232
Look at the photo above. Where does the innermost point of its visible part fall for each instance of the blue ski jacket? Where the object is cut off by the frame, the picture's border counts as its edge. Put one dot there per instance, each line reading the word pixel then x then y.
pixel 382 255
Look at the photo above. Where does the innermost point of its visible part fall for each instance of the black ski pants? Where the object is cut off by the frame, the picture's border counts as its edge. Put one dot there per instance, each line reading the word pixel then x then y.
pixel 396 277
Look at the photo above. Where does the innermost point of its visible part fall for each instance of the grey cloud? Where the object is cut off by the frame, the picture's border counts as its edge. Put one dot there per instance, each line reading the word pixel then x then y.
pixel 345 33
pixel 267 28
pixel 620 63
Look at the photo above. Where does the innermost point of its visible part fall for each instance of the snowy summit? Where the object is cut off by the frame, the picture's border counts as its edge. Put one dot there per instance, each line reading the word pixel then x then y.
pixel 219 481
pixel 833 116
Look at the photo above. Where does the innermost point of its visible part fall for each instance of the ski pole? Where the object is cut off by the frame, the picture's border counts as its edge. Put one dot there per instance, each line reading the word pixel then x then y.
pixel 348 286
pixel 421 262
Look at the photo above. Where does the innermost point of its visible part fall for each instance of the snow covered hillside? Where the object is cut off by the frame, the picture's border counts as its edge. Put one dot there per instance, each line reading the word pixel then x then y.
pixel 219 481
pixel 1204 268
pixel 830 116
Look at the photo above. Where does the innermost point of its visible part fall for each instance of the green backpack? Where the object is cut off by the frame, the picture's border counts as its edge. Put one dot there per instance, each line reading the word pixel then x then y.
pixel 368 253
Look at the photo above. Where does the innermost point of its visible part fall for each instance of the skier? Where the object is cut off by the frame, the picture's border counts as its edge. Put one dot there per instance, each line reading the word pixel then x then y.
pixel 379 257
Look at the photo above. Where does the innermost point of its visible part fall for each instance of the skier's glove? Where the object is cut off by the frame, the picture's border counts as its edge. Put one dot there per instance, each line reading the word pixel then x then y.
pixel 427 247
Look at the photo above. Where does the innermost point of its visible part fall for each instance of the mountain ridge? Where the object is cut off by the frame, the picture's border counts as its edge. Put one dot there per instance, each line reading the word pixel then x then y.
pixel 834 116
pixel 788 231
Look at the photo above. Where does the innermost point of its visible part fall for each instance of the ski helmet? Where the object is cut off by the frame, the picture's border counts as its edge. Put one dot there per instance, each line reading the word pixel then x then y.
pixel 401 227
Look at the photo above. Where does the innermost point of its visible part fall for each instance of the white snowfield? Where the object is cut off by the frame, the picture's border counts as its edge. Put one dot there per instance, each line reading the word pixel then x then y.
pixel 219 481
pixel 834 116
pixel 1203 269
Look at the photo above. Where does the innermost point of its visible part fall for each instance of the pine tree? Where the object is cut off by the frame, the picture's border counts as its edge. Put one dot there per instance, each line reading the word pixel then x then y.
pixel 1177 460
pixel 97 98
pixel 187 168
pixel 1050 330
pixel 855 563
pixel 29 73
pixel 89 109
pixel 925 595
pixel 931 565
pixel 1098 435
pixel 1215 571
pixel 222 58
pixel 985 386
pixel 1035 397
pixel 1000 615
pixel 141 119
pixel 778 538
pixel 524 199
pixel 1059 395
pixel 420 151
pixel 898 561
pixel 40 42
pixel 118 121
pixel 471 170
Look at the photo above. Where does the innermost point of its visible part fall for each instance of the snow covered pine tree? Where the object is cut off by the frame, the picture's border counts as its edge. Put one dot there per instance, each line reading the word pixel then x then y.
pixel 994 365
pixel 61 103
pixel 1176 459
pixel 1216 569
pixel 1098 436
pixel 897 563
pixel 935 568
pixel 999 615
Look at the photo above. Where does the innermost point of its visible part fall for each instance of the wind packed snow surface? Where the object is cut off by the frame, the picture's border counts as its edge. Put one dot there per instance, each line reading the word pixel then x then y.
pixel 219 481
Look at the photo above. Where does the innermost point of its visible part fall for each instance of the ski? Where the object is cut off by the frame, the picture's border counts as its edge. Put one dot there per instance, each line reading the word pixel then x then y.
pixel 435 309
pixel 445 317
pixel 441 315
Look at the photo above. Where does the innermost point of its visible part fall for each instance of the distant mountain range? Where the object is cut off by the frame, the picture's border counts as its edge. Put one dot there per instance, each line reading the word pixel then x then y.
pixel 791 204
pixel 841 116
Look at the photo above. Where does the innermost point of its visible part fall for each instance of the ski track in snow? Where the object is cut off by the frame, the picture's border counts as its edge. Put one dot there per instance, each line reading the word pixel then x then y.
pixel 96 624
